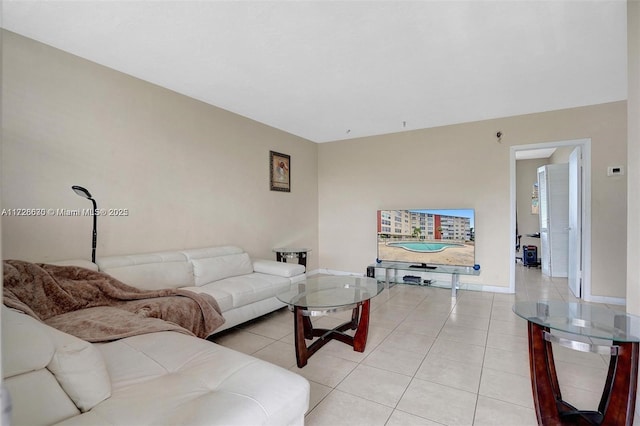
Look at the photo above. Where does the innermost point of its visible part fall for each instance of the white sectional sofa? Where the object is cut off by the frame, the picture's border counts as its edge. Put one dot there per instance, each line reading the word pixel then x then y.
pixel 164 378
pixel 244 289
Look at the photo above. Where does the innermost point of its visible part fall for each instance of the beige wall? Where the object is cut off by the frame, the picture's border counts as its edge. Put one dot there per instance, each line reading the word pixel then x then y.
pixel 528 223
pixel 465 166
pixel 190 174
pixel 193 175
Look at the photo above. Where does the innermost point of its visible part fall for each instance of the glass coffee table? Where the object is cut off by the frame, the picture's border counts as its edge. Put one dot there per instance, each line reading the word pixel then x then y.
pixel 582 327
pixel 318 296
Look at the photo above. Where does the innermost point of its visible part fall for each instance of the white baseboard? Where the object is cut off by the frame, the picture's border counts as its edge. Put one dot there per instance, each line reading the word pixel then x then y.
pixel 606 299
pixel 334 272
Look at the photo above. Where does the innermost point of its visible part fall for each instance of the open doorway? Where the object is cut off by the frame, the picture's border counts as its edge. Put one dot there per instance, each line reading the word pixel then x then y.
pixel 580 231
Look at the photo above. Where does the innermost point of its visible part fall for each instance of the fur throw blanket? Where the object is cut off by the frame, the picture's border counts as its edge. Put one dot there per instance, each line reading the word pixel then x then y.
pixel 96 307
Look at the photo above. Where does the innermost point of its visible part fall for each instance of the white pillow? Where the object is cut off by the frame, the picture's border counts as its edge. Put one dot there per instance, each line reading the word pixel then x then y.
pixel 281 269
pixel 80 369
pixel 26 345
pixel 217 268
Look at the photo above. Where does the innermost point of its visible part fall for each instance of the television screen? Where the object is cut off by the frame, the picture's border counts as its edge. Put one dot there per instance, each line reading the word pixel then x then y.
pixel 427 236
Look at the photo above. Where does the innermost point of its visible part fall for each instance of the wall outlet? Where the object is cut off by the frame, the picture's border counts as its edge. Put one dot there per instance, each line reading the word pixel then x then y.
pixel 615 170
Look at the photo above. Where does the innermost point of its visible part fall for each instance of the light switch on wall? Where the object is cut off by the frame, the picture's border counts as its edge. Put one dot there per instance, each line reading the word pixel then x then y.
pixel 615 170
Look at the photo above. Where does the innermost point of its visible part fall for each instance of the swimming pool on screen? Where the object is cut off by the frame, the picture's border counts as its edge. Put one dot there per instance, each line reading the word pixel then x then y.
pixel 424 247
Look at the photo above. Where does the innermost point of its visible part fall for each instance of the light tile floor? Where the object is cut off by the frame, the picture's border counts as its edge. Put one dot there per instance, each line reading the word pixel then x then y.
pixel 429 360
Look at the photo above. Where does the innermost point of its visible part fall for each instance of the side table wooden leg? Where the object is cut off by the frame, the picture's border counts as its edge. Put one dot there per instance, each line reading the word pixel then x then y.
pixel 544 382
pixel 619 396
pixel 360 338
pixel 617 404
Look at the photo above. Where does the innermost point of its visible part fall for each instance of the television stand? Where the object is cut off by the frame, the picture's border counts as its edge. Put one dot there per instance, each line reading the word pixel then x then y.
pixel 454 271
pixel 423 266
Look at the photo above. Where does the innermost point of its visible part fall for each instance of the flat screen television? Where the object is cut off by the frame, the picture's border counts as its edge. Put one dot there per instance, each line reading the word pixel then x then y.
pixel 427 237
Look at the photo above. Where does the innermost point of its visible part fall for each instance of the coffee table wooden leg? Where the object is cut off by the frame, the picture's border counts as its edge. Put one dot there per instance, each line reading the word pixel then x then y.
pixel 300 331
pixel 354 317
pixel 303 329
pixel 308 327
pixel 360 338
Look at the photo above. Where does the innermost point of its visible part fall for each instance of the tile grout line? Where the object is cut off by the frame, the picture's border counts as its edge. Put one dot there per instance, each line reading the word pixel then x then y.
pixel 484 355
pixel 413 377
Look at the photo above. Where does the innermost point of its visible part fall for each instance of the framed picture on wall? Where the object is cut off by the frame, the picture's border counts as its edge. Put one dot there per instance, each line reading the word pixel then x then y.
pixel 279 171
pixel 535 200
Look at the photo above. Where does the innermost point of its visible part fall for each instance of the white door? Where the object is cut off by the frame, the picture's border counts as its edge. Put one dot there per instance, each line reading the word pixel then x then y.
pixel 575 223
pixel 545 258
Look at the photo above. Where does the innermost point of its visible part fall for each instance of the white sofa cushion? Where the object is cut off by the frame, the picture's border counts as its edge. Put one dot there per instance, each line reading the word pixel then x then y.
pixel 154 276
pixel 38 399
pixel 140 259
pixel 223 297
pixel 76 364
pixel 27 349
pixel 80 370
pixel 150 271
pixel 278 268
pixel 171 378
pixel 204 252
pixel 31 346
pixel 207 270
pixel 243 290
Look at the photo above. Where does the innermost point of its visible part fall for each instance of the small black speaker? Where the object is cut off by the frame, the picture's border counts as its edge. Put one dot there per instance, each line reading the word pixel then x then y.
pixel 371 271
pixel 530 256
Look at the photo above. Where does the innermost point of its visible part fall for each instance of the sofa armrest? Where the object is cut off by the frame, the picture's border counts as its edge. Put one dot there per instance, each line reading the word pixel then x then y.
pixel 281 269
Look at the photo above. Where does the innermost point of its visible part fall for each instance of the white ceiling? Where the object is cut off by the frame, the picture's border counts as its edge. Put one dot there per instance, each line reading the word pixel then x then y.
pixel 332 70
pixel 531 154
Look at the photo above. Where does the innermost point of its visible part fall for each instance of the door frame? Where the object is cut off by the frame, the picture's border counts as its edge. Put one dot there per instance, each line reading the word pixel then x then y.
pixel 575 221
pixel 585 145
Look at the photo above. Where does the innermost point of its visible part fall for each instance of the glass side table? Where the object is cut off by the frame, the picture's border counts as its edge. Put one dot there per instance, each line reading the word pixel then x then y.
pixel 590 322
pixel 284 253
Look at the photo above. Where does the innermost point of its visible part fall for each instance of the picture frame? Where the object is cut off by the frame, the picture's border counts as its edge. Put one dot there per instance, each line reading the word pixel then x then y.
pixel 279 171
pixel 535 200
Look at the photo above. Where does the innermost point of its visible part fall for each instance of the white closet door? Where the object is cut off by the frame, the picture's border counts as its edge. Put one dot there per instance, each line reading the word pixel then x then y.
pixel 553 181
pixel 558 189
